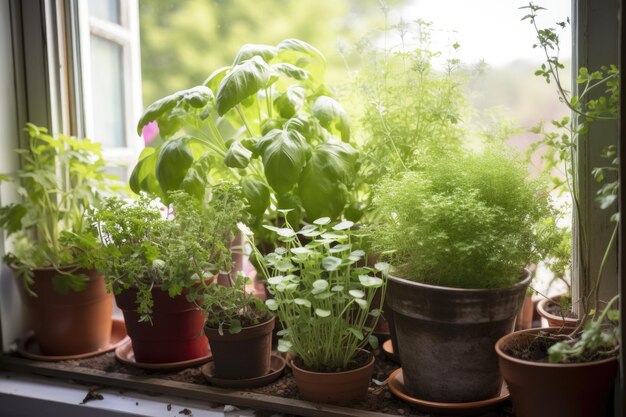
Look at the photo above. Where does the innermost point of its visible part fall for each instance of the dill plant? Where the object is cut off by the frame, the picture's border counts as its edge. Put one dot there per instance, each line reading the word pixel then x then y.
pixel 465 221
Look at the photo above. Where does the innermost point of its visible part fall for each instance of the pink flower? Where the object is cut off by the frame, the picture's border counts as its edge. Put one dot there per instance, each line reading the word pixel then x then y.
pixel 149 132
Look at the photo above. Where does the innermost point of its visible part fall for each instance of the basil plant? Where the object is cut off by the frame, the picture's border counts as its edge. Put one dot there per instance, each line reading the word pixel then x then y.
pixel 266 121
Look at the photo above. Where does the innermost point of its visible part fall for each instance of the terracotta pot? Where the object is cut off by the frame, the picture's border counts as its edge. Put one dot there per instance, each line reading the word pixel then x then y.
pixel 333 387
pixel 524 318
pixel 548 390
pixel 552 319
pixel 446 337
pixel 175 334
pixel 72 323
pixel 246 354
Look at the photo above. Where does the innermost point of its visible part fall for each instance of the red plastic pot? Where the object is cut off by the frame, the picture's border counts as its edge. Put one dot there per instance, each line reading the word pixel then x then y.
pixel 246 354
pixel 541 389
pixel 175 334
pixel 68 324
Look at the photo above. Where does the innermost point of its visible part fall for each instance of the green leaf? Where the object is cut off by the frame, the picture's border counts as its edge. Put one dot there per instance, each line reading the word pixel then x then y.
pixel 291 71
pixel 216 77
pixel 331 263
pixel 332 116
pixel 284 345
pixel 11 217
pixel 235 326
pixel 143 177
pixel 196 97
pixel 322 221
pixel 357 293
pixel 243 81
pixel 323 183
pixel 320 284
pixel 271 304
pixel 303 55
pixel 237 156
pixel 369 281
pixel 362 303
pixel 290 202
pixel 174 160
pixel 281 231
pixel 346 224
pixel 284 154
pixel 302 302
pixel 322 313
pixel 373 341
pixel 356 332
pixel 257 194
pixel 249 50
pixel 289 102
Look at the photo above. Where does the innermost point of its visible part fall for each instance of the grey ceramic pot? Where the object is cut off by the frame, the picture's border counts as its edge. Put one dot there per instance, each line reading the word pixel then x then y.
pixel 446 337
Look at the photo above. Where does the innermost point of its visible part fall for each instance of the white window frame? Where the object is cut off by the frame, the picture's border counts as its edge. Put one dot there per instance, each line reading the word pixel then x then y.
pixel 125 34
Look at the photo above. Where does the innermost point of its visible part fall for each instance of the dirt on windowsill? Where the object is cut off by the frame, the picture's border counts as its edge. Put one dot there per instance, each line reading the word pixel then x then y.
pixel 379 397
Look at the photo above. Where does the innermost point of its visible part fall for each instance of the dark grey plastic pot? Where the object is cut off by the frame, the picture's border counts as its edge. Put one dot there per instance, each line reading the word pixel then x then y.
pixel 446 337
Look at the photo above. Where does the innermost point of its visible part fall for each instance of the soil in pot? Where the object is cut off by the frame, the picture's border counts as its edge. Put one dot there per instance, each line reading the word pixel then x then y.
pixel 335 386
pixel 552 311
pixel 68 324
pixel 542 389
pixel 175 334
pixel 246 354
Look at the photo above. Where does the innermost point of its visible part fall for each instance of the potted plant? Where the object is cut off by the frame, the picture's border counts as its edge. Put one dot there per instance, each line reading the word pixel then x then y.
pixel 462 229
pixel 239 328
pixel 158 259
pixel 323 299
pixel 66 299
pixel 571 370
pixel 267 121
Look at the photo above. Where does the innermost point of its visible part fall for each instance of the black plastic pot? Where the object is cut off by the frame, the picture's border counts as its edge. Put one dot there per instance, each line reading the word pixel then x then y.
pixel 446 337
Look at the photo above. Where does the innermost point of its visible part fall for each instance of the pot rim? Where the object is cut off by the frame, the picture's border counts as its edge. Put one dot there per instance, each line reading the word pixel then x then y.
pixel 505 356
pixel 15 267
pixel 522 283
pixel 544 313
pixel 255 326
pixel 369 363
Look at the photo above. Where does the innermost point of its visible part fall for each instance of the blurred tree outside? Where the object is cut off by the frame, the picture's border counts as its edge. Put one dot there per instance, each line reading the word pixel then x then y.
pixel 183 41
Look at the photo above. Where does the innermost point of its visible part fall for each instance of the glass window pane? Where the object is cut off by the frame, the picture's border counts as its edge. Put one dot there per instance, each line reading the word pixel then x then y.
pixel 108 92
pixel 105 9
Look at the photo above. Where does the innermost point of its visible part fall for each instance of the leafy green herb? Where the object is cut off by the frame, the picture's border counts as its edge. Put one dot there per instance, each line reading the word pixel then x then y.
pixel 231 307
pixel 60 177
pixel 465 221
pixel 323 292
pixel 137 245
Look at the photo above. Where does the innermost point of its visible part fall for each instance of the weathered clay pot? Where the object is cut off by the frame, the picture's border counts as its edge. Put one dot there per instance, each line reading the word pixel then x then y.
pixel 547 390
pixel 246 354
pixel 68 324
pixel 552 319
pixel 446 337
pixel 333 387
pixel 175 334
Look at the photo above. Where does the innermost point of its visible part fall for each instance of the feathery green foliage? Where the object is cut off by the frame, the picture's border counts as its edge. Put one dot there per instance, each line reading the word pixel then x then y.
pixel 465 221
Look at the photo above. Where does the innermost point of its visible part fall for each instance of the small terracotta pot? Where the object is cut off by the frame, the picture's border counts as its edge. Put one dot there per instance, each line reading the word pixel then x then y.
pixel 72 323
pixel 333 387
pixel 175 334
pixel 525 316
pixel 446 335
pixel 246 354
pixel 541 389
pixel 552 319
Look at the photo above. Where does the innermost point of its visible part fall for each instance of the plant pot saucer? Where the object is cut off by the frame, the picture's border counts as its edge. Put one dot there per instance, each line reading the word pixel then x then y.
pixel 28 347
pixel 124 354
pixel 389 352
pixel 277 366
pixel 395 382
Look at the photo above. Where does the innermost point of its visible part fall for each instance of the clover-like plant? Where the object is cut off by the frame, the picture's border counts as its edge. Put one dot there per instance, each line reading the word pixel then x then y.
pixel 323 292
pixel 268 121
